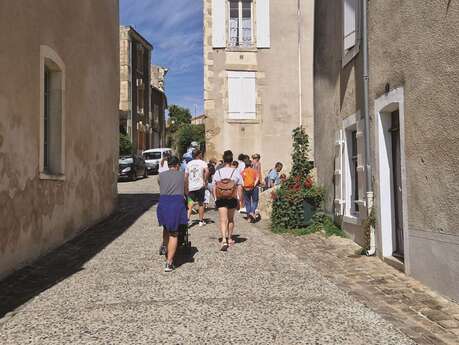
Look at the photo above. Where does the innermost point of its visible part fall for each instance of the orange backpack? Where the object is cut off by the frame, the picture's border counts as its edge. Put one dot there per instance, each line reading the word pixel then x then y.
pixel 249 176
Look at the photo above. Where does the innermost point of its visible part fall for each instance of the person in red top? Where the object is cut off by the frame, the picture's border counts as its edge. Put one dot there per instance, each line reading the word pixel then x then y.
pixel 251 178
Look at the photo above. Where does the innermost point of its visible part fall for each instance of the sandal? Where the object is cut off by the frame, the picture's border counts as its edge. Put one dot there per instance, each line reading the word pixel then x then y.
pixel 224 247
pixel 231 242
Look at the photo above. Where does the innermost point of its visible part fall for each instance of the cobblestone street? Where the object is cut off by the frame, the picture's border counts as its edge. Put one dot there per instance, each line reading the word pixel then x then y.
pixel 107 286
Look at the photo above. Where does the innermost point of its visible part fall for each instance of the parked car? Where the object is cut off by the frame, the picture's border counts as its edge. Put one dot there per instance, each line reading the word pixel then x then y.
pixel 131 167
pixel 153 158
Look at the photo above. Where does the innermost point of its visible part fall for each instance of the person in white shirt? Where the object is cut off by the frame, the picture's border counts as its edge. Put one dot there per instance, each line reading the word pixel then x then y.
pixel 196 175
pixel 164 164
pixel 227 206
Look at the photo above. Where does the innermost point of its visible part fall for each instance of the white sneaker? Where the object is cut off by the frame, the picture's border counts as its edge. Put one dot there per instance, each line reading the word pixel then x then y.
pixel 201 223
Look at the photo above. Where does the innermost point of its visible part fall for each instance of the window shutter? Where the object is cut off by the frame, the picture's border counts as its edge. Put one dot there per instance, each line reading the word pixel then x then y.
pixel 350 23
pixel 219 23
pixel 249 95
pixel 242 95
pixel 339 176
pixel 263 24
pixel 234 96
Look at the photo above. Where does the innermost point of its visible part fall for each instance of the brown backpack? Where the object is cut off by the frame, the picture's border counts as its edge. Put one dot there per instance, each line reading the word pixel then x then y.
pixel 226 188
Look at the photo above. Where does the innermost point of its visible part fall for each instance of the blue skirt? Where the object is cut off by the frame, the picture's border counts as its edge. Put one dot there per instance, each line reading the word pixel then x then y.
pixel 171 212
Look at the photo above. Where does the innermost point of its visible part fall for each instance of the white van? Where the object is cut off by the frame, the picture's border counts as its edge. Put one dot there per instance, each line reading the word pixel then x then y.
pixel 153 158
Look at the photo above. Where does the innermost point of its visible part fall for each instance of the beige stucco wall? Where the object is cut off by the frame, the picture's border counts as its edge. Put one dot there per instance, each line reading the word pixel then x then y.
pixel 277 71
pixel 413 47
pixel 37 215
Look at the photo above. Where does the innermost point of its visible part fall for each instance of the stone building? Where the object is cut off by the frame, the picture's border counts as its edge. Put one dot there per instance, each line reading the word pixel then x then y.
pixel 199 120
pixel 59 65
pixel 413 129
pixel 135 90
pixel 258 77
pixel 158 106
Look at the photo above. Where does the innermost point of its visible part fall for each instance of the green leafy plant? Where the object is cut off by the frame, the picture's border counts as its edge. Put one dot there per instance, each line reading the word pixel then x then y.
pixel 298 190
pixel 188 133
pixel 125 145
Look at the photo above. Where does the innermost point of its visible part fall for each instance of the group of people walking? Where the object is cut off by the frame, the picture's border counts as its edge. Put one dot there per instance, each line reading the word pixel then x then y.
pixel 232 184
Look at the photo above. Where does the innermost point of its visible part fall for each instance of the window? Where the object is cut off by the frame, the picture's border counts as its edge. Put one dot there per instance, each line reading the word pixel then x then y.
pixel 240 23
pixel 52 138
pixel 241 95
pixel 351 29
pixel 351 171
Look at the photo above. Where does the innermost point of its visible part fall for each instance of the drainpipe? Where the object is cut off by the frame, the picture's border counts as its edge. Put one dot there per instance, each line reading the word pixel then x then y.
pixel 365 77
pixel 300 77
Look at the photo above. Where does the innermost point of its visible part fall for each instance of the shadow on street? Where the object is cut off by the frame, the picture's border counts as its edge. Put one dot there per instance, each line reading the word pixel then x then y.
pixel 63 262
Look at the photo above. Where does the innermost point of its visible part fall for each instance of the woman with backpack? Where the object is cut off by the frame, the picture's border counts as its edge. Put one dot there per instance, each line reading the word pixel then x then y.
pixel 227 189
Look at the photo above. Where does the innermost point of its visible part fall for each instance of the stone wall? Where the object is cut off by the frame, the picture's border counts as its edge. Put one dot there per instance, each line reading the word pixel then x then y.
pixel 39 214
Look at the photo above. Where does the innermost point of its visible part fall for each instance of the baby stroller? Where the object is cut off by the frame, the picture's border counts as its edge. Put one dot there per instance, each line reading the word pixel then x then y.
pixel 184 237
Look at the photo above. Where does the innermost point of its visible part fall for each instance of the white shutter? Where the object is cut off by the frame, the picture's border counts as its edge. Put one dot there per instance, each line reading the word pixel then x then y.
pixel 263 24
pixel 339 176
pixel 241 95
pixel 350 23
pixel 234 96
pixel 219 23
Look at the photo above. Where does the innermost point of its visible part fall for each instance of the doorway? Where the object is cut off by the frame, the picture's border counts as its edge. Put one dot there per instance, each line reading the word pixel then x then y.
pixel 391 204
pixel 397 189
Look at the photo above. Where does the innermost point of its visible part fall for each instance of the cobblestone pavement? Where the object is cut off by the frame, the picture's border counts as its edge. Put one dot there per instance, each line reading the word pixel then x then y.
pixel 411 307
pixel 108 287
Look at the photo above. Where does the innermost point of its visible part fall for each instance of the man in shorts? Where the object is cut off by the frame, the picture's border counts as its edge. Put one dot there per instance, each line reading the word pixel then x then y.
pixel 196 175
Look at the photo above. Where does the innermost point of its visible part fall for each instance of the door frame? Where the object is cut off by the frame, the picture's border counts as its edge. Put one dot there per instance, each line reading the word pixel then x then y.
pixel 384 106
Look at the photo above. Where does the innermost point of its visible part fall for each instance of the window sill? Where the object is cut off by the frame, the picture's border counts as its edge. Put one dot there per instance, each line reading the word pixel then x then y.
pixel 45 176
pixel 352 219
pixel 241 49
pixel 244 121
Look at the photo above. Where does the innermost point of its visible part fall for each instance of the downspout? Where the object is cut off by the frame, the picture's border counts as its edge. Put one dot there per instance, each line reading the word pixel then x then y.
pixel 300 77
pixel 365 79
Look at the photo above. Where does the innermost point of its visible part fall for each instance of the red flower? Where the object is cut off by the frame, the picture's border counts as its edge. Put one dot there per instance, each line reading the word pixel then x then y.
pixel 309 183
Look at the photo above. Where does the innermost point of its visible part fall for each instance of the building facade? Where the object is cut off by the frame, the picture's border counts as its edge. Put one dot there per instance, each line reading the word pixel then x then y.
pixel 58 123
pixel 413 130
pixel 199 120
pixel 135 90
pixel 158 106
pixel 258 75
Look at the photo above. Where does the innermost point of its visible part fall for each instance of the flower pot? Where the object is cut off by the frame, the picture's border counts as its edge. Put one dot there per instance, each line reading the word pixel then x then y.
pixel 308 212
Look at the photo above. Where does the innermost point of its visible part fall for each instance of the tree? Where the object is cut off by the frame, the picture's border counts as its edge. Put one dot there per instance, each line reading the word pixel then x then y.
pixel 125 145
pixel 178 116
pixel 188 133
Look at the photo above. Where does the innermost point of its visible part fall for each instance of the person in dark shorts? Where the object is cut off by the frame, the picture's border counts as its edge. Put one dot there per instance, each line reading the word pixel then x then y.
pixel 171 211
pixel 196 176
pixel 227 206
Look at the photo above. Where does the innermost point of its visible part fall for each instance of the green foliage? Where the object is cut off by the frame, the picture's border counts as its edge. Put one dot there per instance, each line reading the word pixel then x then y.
pixel 125 145
pixel 188 133
pixel 299 188
pixel 289 198
pixel 301 165
pixel 178 116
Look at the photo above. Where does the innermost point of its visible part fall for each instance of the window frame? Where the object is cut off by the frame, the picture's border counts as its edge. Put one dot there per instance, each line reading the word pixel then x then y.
pixel 350 173
pixel 50 57
pixel 349 54
pixel 240 26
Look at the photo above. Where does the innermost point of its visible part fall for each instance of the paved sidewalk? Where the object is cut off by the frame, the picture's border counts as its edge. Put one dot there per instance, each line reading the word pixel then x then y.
pixel 108 287
pixel 417 311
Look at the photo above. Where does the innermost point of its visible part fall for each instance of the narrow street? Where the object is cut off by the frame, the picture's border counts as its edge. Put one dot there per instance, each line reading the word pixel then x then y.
pixel 108 287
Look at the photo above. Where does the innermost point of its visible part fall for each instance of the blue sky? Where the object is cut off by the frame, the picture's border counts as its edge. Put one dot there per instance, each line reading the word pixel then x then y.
pixel 174 28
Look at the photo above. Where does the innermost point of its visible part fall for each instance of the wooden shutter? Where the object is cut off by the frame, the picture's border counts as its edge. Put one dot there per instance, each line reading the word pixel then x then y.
pixel 350 23
pixel 339 175
pixel 219 23
pixel 241 95
pixel 263 24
